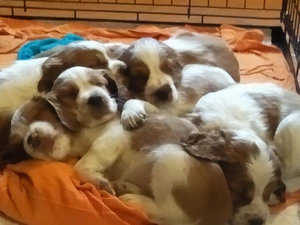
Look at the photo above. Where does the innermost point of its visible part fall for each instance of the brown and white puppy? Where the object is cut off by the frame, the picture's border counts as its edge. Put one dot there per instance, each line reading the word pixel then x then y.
pixel 174 74
pixel 269 110
pixel 174 188
pixel 25 78
pixel 264 112
pixel 154 68
pixel 196 81
pixel 251 168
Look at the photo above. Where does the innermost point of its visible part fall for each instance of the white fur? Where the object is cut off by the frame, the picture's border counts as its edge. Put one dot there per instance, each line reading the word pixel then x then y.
pixel 286 139
pixel 18 82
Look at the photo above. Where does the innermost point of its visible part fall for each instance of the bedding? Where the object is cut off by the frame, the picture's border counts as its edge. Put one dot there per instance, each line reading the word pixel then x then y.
pixel 48 193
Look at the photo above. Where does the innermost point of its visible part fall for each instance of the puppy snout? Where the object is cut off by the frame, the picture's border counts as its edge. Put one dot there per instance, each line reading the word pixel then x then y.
pixel 95 101
pixel 256 221
pixel 33 141
pixel 163 93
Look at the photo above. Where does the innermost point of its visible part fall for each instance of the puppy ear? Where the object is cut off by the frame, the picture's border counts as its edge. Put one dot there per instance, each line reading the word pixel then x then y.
pixel 212 146
pixel 111 85
pixel 281 191
pixel 51 69
pixel 65 113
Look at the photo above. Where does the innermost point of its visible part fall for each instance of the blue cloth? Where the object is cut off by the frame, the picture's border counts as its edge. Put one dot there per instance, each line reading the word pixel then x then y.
pixel 35 47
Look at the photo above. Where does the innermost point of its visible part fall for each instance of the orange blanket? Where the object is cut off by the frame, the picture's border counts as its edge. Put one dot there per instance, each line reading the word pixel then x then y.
pixel 43 193
pixel 49 193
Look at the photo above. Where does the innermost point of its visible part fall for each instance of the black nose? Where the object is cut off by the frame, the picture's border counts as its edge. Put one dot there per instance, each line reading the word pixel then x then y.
pixel 95 101
pixel 163 93
pixel 33 141
pixel 256 221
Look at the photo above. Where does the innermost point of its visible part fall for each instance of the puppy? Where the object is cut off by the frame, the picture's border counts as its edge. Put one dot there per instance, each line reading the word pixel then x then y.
pixel 196 81
pixel 173 187
pixel 266 111
pixel 251 168
pixel 270 111
pixel 155 67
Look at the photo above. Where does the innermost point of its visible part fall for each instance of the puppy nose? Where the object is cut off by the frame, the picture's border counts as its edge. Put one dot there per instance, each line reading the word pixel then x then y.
pixel 33 141
pixel 95 101
pixel 163 93
pixel 256 221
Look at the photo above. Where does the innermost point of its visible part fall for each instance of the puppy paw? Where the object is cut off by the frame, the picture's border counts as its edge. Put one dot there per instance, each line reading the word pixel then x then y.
pixel 105 185
pixel 122 187
pixel 133 118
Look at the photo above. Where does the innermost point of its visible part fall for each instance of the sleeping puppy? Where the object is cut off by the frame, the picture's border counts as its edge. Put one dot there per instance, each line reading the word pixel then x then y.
pixel 25 78
pixel 165 74
pixel 250 165
pixel 196 81
pixel 268 113
pixel 38 111
pixel 172 187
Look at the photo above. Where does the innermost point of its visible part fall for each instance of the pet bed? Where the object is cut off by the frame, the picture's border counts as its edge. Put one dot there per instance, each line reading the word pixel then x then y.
pixel 48 193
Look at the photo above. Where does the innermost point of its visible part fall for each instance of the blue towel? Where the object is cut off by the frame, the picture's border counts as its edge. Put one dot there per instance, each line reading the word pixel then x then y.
pixel 35 47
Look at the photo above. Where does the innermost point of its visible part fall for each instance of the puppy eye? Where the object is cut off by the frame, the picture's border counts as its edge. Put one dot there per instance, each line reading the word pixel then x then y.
pixel 99 84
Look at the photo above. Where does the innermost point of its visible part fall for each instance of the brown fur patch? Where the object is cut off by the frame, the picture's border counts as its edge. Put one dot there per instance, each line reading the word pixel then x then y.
pixel 271 109
pixel 223 56
pixel 232 155
pixel 207 196
pixel 136 74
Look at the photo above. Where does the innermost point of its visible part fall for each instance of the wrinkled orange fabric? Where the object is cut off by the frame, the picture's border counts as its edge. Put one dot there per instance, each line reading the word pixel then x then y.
pixel 48 193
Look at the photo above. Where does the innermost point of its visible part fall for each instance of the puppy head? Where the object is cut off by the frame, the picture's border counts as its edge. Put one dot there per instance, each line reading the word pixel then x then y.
pixel 90 54
pixel 250 166
pixel 36 130
pixel 153 71
pixel 84 97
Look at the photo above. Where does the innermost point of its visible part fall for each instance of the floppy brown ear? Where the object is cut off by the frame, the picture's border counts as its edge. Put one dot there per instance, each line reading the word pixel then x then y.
pixel 211 145
pixel 111 85
pixel 65 113
pixel 51 69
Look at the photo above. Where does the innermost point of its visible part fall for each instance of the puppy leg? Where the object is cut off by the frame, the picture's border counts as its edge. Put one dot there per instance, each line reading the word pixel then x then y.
pixel 103 153
pixel 147 204
pixel 288 144
pixel 134 113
